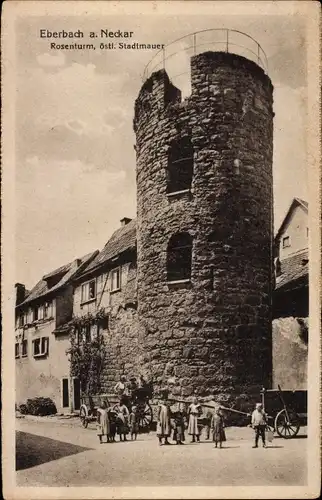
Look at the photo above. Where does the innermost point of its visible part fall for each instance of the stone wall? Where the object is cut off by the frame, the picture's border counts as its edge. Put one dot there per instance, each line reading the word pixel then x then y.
pixel 212 333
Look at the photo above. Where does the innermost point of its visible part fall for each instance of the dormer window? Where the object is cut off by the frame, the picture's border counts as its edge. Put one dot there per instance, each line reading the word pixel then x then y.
pixel 180 165
pixel 89 291
pixel 286 242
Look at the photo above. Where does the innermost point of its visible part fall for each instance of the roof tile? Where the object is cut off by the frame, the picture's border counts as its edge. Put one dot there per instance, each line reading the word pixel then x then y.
pixel 70 270
pixel 293 268
pixel 121 240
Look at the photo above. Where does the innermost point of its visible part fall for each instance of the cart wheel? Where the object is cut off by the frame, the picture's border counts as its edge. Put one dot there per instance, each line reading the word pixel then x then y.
pixel 83 416
pixel 145 416
pixel 287 424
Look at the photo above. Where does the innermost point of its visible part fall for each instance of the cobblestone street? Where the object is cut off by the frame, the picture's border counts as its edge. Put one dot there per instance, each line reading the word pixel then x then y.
pixel 50 453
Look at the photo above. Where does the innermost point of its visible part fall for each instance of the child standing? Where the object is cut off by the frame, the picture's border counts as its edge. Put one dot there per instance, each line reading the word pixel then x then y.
pixel 103 424
pixel 122 420
pixel 112 415
pixel 133 423
pixel 217 427
pixel 194 412
pixel 179 421
pixel 163 423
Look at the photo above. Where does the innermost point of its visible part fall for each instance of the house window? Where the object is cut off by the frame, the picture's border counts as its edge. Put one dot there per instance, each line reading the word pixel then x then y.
pixel 180 165
pixel 17 350
pixel 179 257
pixel 115 279
pixel 41 312
pixel 286 242
pixel 35 314
pixel 24 348
pixel 88 291
pixel 40 346
pixel 21 321
pixel 30 316
pixel 48 309
pixel 86 333
pixel 103 324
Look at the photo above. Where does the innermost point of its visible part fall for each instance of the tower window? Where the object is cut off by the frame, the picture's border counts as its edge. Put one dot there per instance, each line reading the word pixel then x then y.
pixel 286 242
pixel 179 257
pixel 180 165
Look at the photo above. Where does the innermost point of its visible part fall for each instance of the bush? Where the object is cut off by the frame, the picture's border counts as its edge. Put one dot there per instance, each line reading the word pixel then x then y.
pixel 39 406
pixel 23 409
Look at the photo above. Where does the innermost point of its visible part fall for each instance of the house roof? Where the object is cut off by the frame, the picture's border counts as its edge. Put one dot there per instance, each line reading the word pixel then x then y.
pixel 295 203
pixel 69 271
pixel 122 239
pixel 293 268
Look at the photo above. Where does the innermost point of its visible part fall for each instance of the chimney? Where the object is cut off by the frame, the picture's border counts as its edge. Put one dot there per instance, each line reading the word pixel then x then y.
pixel 20 293
pixel 125 221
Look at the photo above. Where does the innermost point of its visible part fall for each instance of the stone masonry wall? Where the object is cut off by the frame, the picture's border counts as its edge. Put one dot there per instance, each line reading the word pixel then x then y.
pixel 213 333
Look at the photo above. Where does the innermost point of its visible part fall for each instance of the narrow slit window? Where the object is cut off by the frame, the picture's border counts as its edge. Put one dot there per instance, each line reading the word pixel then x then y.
pixel 25 347
pixel 180 165
pixel 179 257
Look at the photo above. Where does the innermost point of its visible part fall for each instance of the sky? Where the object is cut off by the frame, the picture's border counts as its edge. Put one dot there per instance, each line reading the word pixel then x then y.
pixel 74 141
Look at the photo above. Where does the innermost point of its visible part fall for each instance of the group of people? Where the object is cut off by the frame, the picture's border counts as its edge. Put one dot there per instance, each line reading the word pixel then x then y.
pixel 121 419
pixel 175 420
pixel 116 420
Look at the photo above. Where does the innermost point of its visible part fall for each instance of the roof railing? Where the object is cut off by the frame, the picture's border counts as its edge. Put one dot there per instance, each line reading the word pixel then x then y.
pixel 195 43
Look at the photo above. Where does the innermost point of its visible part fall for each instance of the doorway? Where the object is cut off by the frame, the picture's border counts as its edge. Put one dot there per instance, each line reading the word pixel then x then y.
pixel 76 392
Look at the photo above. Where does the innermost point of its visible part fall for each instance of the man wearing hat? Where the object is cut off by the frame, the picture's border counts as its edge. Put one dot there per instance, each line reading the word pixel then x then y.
pixel 259 423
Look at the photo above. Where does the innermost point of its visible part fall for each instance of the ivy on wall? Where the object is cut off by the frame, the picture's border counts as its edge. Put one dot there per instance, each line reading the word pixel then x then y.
pixel 88 354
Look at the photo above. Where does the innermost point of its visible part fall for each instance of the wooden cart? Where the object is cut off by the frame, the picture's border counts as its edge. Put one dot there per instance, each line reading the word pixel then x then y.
pixel 289 409
pixel 286 410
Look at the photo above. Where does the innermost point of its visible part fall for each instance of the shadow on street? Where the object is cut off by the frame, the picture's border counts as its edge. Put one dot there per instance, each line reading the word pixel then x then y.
pixel 32 450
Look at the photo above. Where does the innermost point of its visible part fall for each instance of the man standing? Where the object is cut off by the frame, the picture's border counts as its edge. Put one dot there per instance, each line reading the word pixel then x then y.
pixel 259 423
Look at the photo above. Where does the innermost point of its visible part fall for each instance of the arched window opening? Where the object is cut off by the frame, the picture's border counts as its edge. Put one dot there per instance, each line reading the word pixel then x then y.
pixel 179 257
pixel 180 165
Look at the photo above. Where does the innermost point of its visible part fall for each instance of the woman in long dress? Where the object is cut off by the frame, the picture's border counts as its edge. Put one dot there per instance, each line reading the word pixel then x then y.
pixel 122 420
pixel 194 412
pixel 163 422
pixel 218 428
pixel 103 423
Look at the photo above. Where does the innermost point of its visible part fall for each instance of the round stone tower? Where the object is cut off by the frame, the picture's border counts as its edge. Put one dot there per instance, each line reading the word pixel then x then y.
pixel 204 227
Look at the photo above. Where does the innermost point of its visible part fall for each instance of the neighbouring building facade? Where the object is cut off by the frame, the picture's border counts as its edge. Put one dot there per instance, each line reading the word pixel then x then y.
pixel 109 283
pixel 42 367
pixel 291 299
